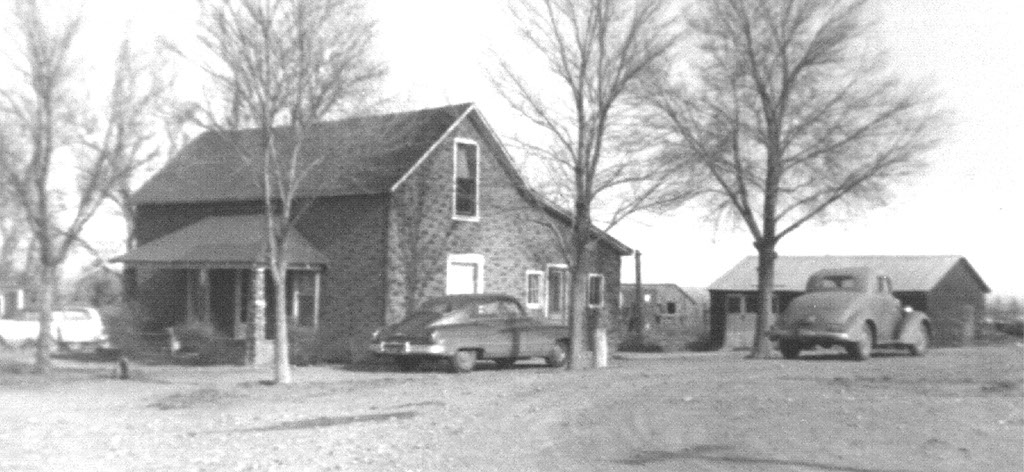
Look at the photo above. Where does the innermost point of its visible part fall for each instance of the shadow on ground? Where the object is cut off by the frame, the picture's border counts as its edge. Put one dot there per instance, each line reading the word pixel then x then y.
pixel 718 453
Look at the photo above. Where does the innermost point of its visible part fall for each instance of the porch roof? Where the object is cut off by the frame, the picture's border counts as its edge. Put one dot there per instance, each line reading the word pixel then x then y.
pixel 222 241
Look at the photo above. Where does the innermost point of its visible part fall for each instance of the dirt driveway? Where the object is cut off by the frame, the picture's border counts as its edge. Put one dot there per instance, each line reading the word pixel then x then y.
pixel 954 409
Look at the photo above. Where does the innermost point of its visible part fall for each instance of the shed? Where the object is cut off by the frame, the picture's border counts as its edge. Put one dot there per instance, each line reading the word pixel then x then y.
pixel 947 288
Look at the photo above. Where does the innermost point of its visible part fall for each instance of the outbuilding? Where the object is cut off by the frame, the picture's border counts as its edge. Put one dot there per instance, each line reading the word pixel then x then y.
pixel 947 288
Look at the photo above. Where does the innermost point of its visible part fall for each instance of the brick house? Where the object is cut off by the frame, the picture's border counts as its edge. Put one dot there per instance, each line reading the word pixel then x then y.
pixel 402 207
pixel 947 288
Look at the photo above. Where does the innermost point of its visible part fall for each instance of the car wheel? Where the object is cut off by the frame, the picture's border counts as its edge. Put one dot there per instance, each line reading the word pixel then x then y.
pixel 558 355
pixel 861 349
pixel 464 361
pixel 920 343
pixel 407 364
pixel 790 349
pixel 504 363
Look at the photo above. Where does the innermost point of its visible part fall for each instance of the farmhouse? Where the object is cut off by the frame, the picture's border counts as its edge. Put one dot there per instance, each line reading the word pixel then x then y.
pixel 947 288
pixel 399 208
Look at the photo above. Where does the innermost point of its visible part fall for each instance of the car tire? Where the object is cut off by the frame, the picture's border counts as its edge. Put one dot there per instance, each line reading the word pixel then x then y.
pixel 464 361
pixel 790 349
pixel 559 355
pixel 920 343
pixel 505 363
pixel 861 349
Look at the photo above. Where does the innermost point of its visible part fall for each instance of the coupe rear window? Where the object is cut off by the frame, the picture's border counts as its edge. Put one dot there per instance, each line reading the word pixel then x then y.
pixel 836 282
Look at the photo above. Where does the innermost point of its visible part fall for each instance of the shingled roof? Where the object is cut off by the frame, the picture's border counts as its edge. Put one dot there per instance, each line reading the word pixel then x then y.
pixel 357 156
pixel 223 240
pixel 908 273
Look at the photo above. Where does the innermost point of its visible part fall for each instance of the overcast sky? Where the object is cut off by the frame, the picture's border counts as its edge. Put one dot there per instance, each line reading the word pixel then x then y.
pixel 970 202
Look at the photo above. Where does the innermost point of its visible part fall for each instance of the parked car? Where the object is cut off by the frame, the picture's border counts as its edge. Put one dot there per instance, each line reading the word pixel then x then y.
pixel 72 328
pixel 852 307
pixel 467 328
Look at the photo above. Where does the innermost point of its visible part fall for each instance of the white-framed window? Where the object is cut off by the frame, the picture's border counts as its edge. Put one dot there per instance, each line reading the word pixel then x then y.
pixel 304 303
pixel 595 290
pixel 465 274
pixel 557 290
pixel 534 287
pixel 466 185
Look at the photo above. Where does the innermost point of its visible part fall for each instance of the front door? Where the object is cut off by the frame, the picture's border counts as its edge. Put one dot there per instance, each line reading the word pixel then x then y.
pixel 558 293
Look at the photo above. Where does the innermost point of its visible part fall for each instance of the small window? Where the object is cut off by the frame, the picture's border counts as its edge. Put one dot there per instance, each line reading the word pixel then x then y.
pixel 303 303
pixel 647 298
pixel 595 290
pixel 734 304
pixel 670 307
pixel 467 174
pixel 534 280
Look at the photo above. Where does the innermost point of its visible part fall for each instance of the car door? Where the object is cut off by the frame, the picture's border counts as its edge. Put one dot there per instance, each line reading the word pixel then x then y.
pixel 491 330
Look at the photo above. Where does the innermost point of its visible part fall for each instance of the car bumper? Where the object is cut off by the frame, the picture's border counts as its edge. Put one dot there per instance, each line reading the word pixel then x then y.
pixel 406 348
pixel 808 335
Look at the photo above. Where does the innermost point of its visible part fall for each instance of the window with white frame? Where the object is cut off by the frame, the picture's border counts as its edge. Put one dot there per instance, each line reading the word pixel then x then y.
pixel 595 290
pixel 534 282
pixel 467 176
pixel 465 274
pixel 304 303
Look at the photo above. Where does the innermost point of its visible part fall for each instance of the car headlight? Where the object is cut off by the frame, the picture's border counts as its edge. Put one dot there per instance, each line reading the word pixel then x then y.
pixel 376 334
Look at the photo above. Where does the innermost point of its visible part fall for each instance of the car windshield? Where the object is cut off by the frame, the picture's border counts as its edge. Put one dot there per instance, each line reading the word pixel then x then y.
pixel 445 305
pixel 847 283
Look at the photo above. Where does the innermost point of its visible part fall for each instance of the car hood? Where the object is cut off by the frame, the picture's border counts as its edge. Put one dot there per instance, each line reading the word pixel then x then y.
pixel 821 307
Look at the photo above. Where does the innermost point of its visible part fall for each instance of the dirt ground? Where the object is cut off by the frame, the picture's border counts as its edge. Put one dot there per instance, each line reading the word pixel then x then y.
pixel 952 410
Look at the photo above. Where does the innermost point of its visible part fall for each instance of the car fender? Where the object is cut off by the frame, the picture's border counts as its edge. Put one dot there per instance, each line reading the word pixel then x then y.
pixel 912 319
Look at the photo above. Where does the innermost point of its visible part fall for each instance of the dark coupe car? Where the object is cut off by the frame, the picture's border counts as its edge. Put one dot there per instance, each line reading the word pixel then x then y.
pixel 466 328
pixel 851 307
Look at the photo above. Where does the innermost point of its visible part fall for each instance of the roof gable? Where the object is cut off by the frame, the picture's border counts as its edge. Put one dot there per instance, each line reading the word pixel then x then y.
pixel 356 156
pixel 908 273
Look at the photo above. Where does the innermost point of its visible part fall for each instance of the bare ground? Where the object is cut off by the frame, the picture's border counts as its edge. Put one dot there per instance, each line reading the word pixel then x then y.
pixel 954 410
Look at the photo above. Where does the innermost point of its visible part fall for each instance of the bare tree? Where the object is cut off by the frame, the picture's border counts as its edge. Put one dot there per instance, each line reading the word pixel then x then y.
pixel 281 66
pixel 794 116
pixel 596 51
pixel 126 133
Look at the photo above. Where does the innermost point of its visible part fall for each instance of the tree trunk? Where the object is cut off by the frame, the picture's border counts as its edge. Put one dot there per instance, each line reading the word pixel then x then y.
pixel 282 366
pixel 577 317
pixel 44 343
pixel 762 347
pixel 638 300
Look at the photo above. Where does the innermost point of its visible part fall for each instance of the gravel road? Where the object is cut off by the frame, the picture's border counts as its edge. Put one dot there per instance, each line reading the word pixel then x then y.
pixel 954 409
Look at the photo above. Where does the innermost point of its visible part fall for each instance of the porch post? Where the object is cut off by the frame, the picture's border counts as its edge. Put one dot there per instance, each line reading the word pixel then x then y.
pixel 258 350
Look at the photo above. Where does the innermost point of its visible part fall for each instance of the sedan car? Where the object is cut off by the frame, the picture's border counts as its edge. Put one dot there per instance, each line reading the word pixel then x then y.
pixel 73 329
pixel 851 307
pixel 466 328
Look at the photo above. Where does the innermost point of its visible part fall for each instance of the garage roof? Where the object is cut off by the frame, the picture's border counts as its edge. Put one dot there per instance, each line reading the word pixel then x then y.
pixel 908 273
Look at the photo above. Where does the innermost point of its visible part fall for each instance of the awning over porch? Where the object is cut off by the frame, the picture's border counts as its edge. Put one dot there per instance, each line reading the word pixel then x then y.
pixel 221 241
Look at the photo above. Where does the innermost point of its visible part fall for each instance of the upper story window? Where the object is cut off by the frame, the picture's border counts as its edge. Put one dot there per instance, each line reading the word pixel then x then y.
pixel 595 290
pixel 467 180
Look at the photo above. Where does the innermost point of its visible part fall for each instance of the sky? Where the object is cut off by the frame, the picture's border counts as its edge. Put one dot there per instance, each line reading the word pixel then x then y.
pixel 969 202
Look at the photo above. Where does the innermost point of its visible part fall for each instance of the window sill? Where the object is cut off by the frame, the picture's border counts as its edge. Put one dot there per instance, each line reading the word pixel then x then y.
pixel 468 219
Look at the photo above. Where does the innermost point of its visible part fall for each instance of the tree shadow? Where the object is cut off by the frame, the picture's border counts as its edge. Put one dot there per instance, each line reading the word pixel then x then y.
pixel 330 421
pixel 714 453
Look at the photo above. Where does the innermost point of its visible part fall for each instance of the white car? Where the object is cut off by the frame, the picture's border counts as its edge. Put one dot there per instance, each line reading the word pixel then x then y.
pixel 73 329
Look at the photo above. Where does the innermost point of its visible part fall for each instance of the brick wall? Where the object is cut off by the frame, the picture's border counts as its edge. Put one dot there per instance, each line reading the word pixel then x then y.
pixel 350 232
pixel 512 235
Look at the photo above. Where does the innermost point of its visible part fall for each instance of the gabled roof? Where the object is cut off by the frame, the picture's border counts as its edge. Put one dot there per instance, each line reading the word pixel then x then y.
pixel 223 241
pixel 908 273
pixel 357 156
pixel 663 290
